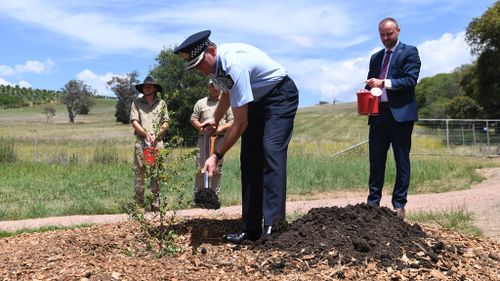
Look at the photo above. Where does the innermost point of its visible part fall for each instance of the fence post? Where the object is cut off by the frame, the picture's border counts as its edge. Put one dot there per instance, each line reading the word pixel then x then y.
pixel 488 136
pixel 463 136
pixel 473 133
pixel 447 137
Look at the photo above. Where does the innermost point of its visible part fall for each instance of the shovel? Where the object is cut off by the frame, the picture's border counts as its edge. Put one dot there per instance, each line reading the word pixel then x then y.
pixel 206 198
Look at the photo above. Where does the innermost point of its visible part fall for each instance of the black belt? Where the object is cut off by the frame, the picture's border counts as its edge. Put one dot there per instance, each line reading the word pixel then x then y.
pixel 281 83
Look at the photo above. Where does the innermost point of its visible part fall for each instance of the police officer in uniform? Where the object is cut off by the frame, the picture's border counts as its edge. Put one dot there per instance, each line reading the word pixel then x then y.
pixel 203 110
pixel 264 101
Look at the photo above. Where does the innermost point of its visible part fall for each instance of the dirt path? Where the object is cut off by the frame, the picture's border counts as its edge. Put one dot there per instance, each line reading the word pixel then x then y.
pixel 482 199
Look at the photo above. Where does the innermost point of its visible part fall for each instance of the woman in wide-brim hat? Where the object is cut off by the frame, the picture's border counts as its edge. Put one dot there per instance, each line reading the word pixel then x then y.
pixel 149 118
pixel 148 80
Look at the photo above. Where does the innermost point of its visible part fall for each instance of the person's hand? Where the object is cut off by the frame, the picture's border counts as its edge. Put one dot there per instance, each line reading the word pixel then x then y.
pixel 209 125
pixel 151 138
pixel 374 82
pixel 210 165
pixel 219 130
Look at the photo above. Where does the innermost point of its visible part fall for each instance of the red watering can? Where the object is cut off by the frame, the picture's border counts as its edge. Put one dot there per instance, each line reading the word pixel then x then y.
pixel 150 154
pixel 367 102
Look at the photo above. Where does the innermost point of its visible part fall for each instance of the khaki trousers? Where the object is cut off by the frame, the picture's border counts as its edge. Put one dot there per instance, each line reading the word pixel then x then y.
pixel 140 174
pixel 204 151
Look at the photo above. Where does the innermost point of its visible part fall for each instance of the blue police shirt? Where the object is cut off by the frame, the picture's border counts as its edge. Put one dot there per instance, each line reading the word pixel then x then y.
pixel 245 72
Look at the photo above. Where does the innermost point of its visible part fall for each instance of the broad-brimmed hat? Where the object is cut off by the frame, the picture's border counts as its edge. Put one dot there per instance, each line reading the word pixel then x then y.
pixel 148 80
pixel 193 48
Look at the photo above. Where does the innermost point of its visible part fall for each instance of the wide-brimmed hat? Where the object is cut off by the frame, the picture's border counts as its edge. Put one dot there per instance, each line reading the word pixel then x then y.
pixel 193 48
pixel 148 80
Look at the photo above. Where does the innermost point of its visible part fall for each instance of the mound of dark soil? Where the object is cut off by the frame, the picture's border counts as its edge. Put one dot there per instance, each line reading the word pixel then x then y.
pixel 206 198
pixel 354 234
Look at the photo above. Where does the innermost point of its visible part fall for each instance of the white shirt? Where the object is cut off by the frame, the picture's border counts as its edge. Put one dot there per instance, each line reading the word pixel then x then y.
pixel 387 82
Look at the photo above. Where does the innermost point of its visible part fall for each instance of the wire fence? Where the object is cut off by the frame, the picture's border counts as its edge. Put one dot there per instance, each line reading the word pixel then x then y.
pixel 453 137
pixel 448 137
pixel 474 137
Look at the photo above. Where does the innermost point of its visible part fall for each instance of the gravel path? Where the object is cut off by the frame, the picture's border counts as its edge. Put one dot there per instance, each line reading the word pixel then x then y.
pixel 482 199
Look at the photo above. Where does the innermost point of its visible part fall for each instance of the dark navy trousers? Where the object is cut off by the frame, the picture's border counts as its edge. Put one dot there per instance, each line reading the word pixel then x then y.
pixel 385 131
pixel 264 146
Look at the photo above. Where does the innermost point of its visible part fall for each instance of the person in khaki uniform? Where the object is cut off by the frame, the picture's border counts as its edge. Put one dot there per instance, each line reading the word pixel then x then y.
pixel 202 111
pixel 149 118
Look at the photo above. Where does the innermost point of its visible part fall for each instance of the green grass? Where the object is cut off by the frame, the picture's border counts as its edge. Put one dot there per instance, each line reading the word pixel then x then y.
pixel 30 190
pixel 86 168
pixel 316 173
pixel 458 219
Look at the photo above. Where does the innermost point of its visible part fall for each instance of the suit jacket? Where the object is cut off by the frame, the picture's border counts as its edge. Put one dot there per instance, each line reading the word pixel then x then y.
pixel 403 72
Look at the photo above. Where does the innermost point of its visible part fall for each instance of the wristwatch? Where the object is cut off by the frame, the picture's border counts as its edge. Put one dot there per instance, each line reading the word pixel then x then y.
pixel 218 155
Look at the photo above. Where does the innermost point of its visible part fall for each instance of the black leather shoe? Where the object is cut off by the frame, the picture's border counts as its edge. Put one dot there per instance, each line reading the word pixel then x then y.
pixel 238 238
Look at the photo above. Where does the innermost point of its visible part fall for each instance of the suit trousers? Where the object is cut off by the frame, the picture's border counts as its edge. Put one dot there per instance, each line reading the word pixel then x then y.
pixel 264 146
pixel 385 131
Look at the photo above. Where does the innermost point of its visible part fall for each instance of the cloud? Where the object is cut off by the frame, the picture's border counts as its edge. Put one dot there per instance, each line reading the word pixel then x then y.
pixel 97 82
pixel 444 54
pixel 101 30
pixel 24 84
pixel 6 70
pixel 5 82
pixel 339 80
pixel 34 66
pixel 330 80
pixel 303 41
pixel 131 26
pixel 30 66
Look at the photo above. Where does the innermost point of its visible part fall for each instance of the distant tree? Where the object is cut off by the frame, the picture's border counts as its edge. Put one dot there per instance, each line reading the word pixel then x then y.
pixel 483 35
pixel 462 107
pixel 181 90
pixel 124 89
pixel 85 103
pixel 78 97
pixel 433 93
pixel 468 81
pixel 49 112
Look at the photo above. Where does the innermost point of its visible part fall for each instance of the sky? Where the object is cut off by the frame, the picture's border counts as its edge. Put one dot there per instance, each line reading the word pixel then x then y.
pixel 325 45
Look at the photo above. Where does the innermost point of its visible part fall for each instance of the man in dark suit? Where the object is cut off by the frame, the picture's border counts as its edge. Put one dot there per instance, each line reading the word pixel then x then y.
pixel 395 70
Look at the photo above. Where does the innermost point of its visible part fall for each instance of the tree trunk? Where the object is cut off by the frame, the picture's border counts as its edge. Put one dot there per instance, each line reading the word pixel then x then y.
pixel 71 115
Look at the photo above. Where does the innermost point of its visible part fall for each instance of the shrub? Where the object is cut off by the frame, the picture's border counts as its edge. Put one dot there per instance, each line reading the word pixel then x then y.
pixel 11 101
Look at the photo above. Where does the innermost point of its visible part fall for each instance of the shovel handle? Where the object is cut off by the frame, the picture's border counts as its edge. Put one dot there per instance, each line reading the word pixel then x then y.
pixel 212 144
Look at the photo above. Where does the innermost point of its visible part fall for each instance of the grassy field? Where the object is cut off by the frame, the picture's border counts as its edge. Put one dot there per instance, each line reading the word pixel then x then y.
pixel 458 219
pixel 60 168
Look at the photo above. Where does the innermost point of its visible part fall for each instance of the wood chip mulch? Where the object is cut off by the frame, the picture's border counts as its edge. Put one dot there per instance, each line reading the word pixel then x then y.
pixel 118 252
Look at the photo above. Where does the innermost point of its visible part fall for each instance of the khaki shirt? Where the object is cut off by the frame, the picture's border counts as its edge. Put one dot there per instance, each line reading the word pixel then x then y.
pixel 205 108
pixel 149 116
